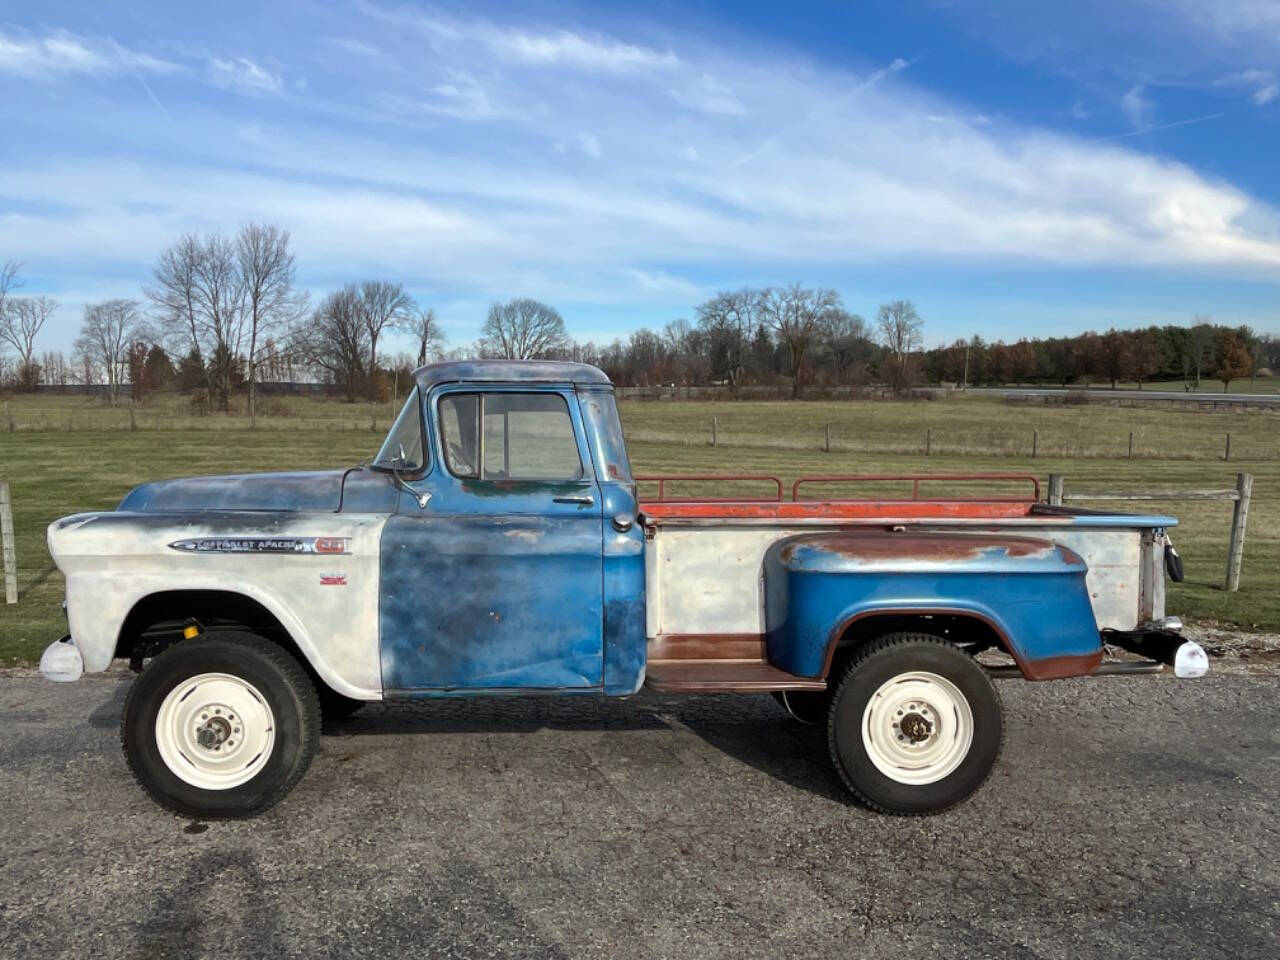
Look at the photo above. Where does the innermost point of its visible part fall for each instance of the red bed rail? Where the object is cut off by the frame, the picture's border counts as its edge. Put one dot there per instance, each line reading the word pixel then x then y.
pixel 917 478
pixel 914 478
pixel 662 481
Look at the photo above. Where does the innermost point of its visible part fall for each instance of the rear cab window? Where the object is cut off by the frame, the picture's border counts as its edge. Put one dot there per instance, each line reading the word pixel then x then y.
pixel 604 435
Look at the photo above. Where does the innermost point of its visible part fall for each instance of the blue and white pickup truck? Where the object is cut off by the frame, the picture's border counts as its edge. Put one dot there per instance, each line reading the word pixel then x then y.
pixel 496 546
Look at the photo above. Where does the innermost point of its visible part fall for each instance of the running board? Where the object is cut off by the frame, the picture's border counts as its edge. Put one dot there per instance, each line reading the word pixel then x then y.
pixel 723 676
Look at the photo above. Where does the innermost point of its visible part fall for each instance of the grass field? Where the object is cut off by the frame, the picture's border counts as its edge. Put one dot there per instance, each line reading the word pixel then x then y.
pixel 53 471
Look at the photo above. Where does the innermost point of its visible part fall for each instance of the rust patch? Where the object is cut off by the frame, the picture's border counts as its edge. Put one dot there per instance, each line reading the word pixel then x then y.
pixel 835 510
pixel 707 646
pixel 922 546
pixel 1058 668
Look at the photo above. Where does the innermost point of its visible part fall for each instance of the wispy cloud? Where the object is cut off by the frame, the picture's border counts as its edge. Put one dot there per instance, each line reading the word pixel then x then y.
pixel 556 47
pixel 61 53
pixel 1137 108
pixel 243 75
pixel 1261 84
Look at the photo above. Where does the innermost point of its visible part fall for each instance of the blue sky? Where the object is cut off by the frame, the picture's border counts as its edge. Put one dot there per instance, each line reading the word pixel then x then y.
pixel 1015 168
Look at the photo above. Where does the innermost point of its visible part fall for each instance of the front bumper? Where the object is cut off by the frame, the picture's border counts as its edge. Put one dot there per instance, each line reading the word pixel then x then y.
pixel 61 661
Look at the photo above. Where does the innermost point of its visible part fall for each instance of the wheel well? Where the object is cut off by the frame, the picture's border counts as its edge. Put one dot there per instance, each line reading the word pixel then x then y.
pixel 158 620
pixel 972 633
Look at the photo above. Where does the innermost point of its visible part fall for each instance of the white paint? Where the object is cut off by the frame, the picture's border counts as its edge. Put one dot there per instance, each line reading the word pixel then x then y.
pixel 934 704
pixel 110 566
pixel 706 576
pixel 215 731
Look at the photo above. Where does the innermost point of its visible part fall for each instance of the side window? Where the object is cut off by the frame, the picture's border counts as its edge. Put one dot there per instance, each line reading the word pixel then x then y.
pixel 509 436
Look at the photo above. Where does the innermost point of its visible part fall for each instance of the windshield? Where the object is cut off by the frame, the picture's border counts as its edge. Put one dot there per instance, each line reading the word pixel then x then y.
pixel 402 449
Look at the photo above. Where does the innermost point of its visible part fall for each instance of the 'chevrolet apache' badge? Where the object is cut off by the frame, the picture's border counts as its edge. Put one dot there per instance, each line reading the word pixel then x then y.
pixel 324 545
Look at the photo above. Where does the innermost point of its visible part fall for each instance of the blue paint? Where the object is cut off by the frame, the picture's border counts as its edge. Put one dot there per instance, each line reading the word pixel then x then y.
pixel 1033 591
pixel 494 585
pixel 294 492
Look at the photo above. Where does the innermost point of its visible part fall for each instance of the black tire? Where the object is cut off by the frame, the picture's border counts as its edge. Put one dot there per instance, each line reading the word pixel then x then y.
pixel 807 706
pixel 875 664
pixel 335 706
pixel 286 690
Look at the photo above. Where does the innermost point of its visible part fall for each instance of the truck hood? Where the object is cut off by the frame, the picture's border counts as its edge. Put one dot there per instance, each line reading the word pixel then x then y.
pixel 290 492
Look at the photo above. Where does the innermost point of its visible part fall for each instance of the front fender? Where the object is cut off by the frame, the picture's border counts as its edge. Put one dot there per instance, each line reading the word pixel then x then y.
pixel 326 603
pixel 1031 592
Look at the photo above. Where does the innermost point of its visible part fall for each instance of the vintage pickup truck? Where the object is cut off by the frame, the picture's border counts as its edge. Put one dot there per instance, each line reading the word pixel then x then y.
pixel 496 546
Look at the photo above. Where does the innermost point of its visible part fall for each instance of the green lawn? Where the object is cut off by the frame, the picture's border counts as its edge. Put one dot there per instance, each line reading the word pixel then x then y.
pixel 54 472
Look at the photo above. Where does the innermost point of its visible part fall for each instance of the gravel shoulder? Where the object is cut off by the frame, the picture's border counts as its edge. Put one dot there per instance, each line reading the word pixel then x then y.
pixel 1127 817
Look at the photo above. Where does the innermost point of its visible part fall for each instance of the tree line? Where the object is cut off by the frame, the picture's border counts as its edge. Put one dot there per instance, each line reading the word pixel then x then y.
pixel 223 314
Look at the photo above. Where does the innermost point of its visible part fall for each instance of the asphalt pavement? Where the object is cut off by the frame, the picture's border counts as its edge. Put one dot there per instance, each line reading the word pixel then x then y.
pixel 1127 817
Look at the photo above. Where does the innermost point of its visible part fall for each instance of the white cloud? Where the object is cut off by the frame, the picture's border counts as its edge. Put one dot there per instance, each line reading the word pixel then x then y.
pixel 1262 84
pixel 1137 108
pixel 595 52
pixel 243 75
pixel 590 145
pixel 60 53
pixel 709 95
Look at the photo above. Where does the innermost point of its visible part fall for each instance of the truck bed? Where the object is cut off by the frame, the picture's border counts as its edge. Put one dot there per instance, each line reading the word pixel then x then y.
pixel 704 564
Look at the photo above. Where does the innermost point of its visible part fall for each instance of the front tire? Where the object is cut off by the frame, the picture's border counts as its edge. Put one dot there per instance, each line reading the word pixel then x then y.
pixel 221 726
pixel 915 725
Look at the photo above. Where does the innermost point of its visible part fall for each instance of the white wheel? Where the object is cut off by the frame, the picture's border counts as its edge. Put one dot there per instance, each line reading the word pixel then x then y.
pixel 215 731
pixel 917 728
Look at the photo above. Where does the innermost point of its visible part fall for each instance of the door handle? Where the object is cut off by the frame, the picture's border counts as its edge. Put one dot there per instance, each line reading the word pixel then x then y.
pixel 584 499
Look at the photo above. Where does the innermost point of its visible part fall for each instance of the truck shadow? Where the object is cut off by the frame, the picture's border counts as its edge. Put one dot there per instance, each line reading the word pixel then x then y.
pixel 752 730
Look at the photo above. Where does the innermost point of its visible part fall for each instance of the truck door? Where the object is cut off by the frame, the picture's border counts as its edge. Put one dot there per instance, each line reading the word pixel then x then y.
pixel 497 582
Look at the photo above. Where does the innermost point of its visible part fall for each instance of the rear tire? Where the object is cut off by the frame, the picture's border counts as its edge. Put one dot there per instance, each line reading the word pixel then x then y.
pixel 221 726
pixel 915 725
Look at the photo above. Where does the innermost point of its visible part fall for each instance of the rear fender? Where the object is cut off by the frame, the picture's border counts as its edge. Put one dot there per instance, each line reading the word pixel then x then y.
pixel 1030 593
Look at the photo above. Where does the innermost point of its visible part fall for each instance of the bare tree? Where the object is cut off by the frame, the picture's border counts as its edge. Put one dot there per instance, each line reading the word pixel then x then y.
pixel 8 281
pixel 200 299
pixel 424 326
pixel 105 336
pixel 900 331
pixel 797 316
pixel 20 323
pixel 729 321
pixel 271 303
pixel 382 305
pixel 336 341
pixel 523 329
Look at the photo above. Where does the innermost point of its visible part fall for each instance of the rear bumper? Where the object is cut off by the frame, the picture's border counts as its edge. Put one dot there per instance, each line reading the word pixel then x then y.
pixel 61 661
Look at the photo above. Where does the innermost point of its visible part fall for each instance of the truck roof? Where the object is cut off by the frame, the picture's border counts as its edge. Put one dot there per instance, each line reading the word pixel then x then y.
pixel 502 371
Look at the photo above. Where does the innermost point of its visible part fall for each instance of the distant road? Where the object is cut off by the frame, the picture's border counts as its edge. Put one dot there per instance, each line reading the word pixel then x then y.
pixel 1203 396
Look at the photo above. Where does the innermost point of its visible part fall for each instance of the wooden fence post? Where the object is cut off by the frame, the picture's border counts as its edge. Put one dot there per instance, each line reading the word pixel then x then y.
pixel 1035 442
pixel 1055 489
pixel 1130 444
pixel 1226 457
pixel 1235 552
pixel 928 441
pixel 8 415
pixel 828 440
pixel 7 545
pixel 714 425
